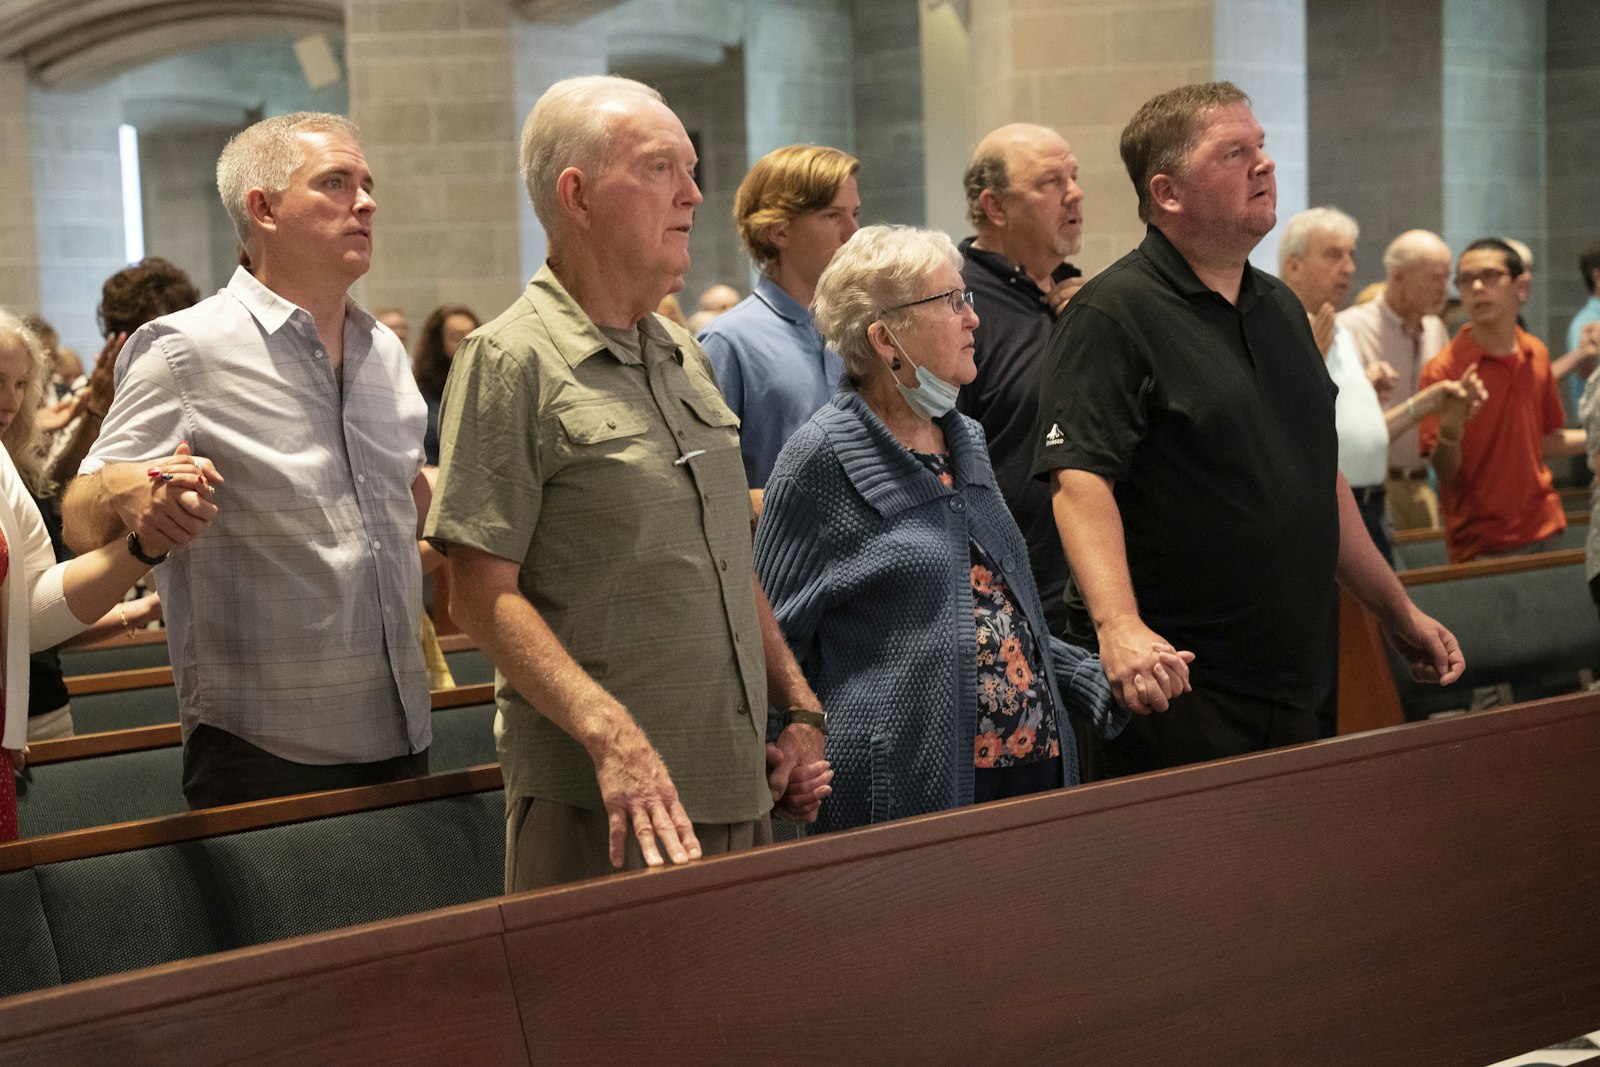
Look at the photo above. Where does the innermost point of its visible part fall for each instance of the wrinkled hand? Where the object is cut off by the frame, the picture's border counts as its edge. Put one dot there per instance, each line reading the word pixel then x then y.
pixel 1382 376
pixel 638 793
pixel 798 775
pixel 1427 646
pixel 1146 673
pixel 1322 328
pixel 168 513
pixel 1063 291
pixel 144 610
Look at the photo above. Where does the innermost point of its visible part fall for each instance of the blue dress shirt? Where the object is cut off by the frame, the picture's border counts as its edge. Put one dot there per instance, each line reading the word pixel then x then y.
pixel 774 369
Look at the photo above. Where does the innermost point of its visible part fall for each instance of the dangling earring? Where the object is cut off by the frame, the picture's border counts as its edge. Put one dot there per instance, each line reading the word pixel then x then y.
pixel 894 364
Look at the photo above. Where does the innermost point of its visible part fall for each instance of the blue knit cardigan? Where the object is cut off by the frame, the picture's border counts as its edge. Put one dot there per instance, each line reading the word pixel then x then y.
pixel 865 556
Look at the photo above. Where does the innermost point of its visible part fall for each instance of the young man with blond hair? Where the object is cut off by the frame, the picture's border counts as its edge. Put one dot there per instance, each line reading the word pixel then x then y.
pixel 794 209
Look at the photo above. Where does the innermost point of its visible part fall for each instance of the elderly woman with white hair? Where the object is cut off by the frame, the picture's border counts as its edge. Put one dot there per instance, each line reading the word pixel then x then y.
pixel 42 602
pixel 896 573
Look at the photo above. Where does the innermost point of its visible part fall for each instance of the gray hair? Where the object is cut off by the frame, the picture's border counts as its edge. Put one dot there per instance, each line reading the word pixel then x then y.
pixel 1297 233
pixel 879 267
pixel 21 439
pixel 1410 247
pixel 567 128
pixel 264 156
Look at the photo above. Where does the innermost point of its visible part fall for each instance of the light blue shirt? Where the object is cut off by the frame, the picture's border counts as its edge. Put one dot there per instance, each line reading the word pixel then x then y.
pixel 292 619
pixel 774 369
pixel 1572 387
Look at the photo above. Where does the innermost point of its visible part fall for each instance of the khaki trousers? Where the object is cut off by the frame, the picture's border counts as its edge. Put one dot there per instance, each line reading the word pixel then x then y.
pixel 1413 503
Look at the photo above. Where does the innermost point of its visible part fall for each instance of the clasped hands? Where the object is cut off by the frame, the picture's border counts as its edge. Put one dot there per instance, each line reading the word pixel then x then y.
pixel 173 503
pixel 1145 671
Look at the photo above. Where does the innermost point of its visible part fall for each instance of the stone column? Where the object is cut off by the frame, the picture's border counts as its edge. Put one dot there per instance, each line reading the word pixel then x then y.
pixel 77 197
pixel 1572 154
pixel 1494 137
pixel 431 86
pixel 797 75
pixel 19 247
pixel 1084 69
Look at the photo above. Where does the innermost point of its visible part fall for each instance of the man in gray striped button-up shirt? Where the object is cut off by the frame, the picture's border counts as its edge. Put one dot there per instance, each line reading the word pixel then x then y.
pixel 293 620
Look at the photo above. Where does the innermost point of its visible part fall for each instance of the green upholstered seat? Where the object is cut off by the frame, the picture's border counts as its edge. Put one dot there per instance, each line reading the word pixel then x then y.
pixel 114 657
pixel 470 667
pixel 27 953
pixel 123 709
pixel 462 737
pixel 134 909
pixel 1533 630
pixel 101 790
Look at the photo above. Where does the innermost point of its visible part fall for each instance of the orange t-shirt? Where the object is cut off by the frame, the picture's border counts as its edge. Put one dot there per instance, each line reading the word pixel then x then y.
pixel 1501 497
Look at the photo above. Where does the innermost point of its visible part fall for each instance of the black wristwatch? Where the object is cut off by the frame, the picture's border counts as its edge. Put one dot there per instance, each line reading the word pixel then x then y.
pixel 136 550
pixel 819 719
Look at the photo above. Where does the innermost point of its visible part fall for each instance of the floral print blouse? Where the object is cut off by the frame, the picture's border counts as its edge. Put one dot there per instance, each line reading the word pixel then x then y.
pixel 1015 725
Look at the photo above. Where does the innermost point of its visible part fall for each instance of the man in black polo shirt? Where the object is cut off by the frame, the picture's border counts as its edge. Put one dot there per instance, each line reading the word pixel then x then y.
pixel 1187 426
pixel 1023 199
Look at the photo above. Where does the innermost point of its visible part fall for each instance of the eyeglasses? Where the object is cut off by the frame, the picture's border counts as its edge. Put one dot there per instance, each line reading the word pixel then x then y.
pixel 956 298
pixel 1491 276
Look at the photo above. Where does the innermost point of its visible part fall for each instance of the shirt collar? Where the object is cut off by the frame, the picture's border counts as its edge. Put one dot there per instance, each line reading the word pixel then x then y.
pixel 573 332
pixel 1003 268
pixel 783 305
pixel 272 310
pixel 1171 265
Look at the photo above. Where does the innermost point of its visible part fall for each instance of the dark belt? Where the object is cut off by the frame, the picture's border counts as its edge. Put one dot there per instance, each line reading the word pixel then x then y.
pixel 1368 494
pixel 1418 475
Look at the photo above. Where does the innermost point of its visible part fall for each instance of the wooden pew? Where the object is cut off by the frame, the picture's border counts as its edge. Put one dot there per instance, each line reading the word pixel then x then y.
pixel 80 782
pixel 1414 549
pixel 1420 895
pixel 1495 608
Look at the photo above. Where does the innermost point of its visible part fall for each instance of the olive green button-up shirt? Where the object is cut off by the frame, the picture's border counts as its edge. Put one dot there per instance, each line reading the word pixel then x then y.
pixel 617 484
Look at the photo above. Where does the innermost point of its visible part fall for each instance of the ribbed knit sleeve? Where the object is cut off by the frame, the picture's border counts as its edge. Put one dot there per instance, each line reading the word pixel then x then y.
pixel 1084 688
pixel 791 553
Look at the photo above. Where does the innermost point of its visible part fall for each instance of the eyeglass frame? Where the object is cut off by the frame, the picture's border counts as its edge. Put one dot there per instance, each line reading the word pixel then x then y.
pixel 1490 276
pixel 957 297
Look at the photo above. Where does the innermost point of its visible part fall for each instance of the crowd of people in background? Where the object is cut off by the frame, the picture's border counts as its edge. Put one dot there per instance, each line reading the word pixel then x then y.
pixel 913 525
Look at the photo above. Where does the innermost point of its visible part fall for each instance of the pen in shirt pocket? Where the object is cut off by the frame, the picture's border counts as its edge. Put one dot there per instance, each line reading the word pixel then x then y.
pixel 687 456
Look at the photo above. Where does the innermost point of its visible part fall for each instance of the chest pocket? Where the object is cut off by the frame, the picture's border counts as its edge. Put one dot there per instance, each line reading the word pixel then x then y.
pixel 601 423
pixel 712 412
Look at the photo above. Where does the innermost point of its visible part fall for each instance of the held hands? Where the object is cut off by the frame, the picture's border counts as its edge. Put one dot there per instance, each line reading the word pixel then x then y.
pixel 797 774
pixel 173 503
pixel 1146 673
pixel 638 793
pixel 1457 405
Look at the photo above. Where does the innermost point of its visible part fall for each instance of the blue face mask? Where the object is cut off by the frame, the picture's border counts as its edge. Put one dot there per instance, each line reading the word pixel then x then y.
pixel 932 396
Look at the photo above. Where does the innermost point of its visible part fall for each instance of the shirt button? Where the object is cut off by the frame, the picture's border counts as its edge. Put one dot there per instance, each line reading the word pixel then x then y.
pixel 361 478
pixel 957 504
pixel 319 353
pixel 681 435
pixel 722 563
pixel 611 424
pixel 376 544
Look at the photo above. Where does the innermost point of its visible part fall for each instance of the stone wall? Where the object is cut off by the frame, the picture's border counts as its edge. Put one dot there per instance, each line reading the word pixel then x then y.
pixel 1572 155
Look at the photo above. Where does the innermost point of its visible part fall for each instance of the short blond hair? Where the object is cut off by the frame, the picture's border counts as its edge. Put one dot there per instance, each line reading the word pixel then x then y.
pixel 783 185
pixel 264 156
pixel 567 129
pixel 879 268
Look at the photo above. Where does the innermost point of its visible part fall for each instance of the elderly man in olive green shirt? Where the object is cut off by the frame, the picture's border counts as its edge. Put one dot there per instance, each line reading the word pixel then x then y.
pixel 592 501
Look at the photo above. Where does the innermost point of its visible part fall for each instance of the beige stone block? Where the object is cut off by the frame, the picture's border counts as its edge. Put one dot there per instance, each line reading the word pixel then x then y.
pixel 400 80
pixel 489 200
pixel 415 16
pixel 1061 40
pixel 1161 34
pixel 475 78
pixel 396 123
pixel 409 200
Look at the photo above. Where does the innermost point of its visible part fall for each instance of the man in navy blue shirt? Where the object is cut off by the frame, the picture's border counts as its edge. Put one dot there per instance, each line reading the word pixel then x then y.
pixel 1024 201
pixel 794 209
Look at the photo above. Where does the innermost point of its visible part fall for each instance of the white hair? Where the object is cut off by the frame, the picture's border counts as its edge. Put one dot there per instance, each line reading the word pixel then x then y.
pixel 878 268
pixel 568 128
pixel 1410 247
pixel 1297 233
pixel 21 439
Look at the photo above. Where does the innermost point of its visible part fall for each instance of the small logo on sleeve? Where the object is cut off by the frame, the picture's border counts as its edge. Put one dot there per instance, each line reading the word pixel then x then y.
pixel 1055 436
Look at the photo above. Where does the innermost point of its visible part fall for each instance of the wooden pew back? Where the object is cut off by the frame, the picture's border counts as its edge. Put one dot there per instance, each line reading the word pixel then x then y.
pixel 1416 895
